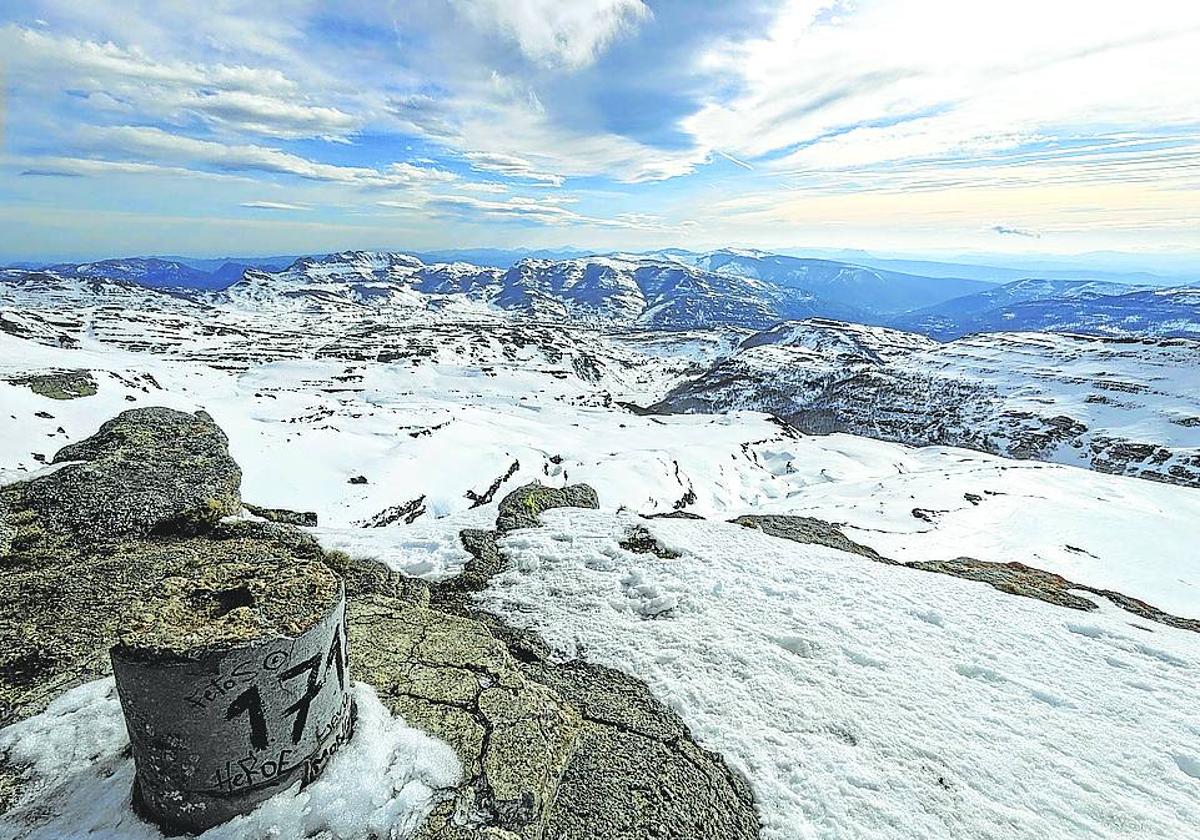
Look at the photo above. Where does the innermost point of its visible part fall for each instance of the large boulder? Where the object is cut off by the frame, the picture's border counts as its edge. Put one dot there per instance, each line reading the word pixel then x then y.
pixel 146 471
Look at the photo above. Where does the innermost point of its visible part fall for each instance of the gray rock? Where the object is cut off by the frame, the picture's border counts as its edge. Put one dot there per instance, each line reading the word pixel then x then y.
pixel 59 384
pixel 303 518
pixel 522 507
pixel 805 529
pixel 149 470
pixel 449 676
pixel 635 771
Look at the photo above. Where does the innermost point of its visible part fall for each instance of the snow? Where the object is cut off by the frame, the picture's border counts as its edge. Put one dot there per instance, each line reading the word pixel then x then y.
pixel 382 784
pixel 861 700
pixel 438 430
pixel 865 700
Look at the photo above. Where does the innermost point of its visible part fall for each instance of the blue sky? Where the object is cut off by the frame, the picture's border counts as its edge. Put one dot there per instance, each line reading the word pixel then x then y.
pixel 914 126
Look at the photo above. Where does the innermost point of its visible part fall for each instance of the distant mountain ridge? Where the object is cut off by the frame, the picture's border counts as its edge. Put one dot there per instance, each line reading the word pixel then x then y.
pixel 669 289
pixel 620 289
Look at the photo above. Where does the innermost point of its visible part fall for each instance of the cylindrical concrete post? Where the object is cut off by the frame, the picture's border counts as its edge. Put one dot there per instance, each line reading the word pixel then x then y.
pixel 235 684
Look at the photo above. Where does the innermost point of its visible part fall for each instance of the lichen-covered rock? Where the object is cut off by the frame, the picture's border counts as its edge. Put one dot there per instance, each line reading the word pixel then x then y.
pixel 303 518
pixel 148 470
pixel 636 772
pixel 58 620
pixel 451 677
pixel 59 384
pixel 805 529
pixel 522 507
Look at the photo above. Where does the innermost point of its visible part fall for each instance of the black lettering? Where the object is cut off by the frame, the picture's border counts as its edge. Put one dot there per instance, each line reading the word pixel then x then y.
pixel 312 689
pixel 250 701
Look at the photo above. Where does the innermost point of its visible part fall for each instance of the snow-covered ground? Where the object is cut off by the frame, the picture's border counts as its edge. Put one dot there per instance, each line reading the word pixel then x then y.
pixel 861 700
pixel 384 783
pixel 871 701
pixel 302 429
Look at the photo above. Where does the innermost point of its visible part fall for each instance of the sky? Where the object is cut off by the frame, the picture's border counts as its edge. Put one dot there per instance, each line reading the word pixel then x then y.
pixel 903 126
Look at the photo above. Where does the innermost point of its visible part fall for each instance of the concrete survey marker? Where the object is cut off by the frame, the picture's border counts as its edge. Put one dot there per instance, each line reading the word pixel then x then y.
pixel 235 684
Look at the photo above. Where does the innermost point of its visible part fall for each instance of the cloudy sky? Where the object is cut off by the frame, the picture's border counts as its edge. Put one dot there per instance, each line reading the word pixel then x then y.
pixel 917 126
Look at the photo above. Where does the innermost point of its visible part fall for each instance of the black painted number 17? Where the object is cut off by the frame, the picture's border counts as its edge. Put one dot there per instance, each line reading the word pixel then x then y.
pixel 250 702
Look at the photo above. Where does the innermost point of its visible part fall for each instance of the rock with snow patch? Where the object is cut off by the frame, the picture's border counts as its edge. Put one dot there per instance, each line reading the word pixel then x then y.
pixel 522 507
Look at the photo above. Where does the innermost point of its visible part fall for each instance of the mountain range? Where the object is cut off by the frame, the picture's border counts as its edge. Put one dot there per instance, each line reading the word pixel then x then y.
pixel 670 289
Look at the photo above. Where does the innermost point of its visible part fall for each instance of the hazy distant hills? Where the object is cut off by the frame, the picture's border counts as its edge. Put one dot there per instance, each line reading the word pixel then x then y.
pixel 670 289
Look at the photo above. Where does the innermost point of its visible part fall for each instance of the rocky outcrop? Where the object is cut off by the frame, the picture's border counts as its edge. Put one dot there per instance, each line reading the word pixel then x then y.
pixel 147 471
pixel 549 749
pixel 1029 582
pixel 1106 403
pixel 805 529
pixel 59 384
pixel 303 518
pixel 522 507
pixel 1013 578
pixel 406 512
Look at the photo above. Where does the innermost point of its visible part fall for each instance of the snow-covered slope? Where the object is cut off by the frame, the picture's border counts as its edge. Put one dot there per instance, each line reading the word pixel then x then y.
pixel 859 699
pixel 874 701
pixel 1124 406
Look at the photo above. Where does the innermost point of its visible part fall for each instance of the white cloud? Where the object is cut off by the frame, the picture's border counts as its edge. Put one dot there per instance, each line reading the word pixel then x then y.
pixel 544 211
pixel 172 149
pixel 556 33
pixel 834 85
pixel 501 118
pixel 274 205
pixel 511 166
pixel 257 100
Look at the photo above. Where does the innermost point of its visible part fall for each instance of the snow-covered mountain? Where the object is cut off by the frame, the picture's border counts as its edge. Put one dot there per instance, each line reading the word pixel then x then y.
pixel 1125 406
pixel 872 292
pixel 670 289
pixel 674 290
pixel 937 633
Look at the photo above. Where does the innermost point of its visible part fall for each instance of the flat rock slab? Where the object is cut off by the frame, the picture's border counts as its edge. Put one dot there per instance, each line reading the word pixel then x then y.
pixel 449 676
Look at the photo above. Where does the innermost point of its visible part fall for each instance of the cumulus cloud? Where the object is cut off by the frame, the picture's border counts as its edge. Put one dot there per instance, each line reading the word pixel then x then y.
pixel 556 33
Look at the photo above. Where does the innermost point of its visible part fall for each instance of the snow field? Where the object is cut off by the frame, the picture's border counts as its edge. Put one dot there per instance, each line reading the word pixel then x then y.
pixel 869 701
